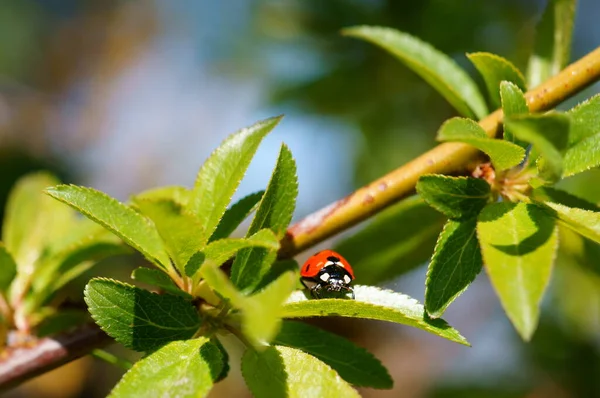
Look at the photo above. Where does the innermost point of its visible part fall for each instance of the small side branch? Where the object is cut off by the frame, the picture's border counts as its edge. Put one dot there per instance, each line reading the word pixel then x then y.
pixel 22 363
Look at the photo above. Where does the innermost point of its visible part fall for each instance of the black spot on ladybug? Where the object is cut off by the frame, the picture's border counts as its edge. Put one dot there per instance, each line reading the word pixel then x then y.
pixel 333 259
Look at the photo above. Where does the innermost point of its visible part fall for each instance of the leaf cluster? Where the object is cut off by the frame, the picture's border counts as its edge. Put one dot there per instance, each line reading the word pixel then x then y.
pixel 213 285
pixel 44 247
pixel 506 215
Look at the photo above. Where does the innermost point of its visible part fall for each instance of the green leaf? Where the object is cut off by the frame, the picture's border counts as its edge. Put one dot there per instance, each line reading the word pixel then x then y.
pixel 513 103
pixel 576 249
pixel 585 120
pixel 455 197
pixel 518 243
pixel 179 369
pixel 503 154
pixel 548 133
pixel 235 215
pixel 399 239
pixel 33 221
pixel 173 193
pixel 494 69
pixel 8 269
pixel 584 137
pixel 225 355
pixel 288 372
pixel 549 194
pixel 582 156
pixel 61 321
pixel 372 303
pixel 435 67
pixel 159 279
pixel 275 212
pixel 222 172
pixel 584 222
pixel 218 281
pixel 73 261
pixel 353 363
pixel 113 215
pixel 455 263
pixel 553 41
pixel 262 311
pixel 222 250
pixel 181 232
pixel 137 318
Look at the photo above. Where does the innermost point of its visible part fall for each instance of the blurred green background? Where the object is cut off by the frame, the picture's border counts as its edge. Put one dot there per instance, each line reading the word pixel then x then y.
pixel 128 95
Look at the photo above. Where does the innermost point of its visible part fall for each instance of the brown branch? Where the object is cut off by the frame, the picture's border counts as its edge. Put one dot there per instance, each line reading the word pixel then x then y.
pixel 443 159
pixel 19 364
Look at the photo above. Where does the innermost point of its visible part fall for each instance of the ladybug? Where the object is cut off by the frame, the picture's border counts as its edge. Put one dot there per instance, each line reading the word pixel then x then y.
pixel 327 271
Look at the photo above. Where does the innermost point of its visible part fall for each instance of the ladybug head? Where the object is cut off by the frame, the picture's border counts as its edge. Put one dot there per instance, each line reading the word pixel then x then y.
pixel 334 278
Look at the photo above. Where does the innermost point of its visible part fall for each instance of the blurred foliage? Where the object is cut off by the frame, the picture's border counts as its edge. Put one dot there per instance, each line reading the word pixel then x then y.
pixel 46 46
pixel 396 111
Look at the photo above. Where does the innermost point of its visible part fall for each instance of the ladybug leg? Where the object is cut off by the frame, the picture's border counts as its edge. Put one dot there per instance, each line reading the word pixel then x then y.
pixel 315 291
pixel 349 288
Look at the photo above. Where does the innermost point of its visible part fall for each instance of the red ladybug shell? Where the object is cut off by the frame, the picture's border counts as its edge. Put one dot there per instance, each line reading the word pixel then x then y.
pixel 315 263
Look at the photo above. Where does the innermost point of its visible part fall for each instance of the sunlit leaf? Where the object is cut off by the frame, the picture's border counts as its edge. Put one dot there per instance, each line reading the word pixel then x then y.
pixel 287 372
pixel 137 318
pixel 222 250
pixel 552 48
pixel 220 283
pixel 455 263
pixel 113 215
pixel 456 197
pixel 174 193
pixel 549 194
pixel 235 215
pixel 585 120
pixel 274 212
pixel 353 363
pixel 181 232
pixel 33 221
pixel 548 133
pixel 584 222
pixel 182 369
pixel 157 278
pixel 584 137
pixel 518 243
pixel 435 67
pixel 503 154
pixel 372 303
pixel 8 269
pixel 262 311
pixel 494 69
pixel 74 260
pixel 582 156
pixel 580 250
pixel 513 103
pixel 222 172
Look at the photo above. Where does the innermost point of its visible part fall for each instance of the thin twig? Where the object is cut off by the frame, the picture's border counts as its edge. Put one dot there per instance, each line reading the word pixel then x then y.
pixel 19 364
